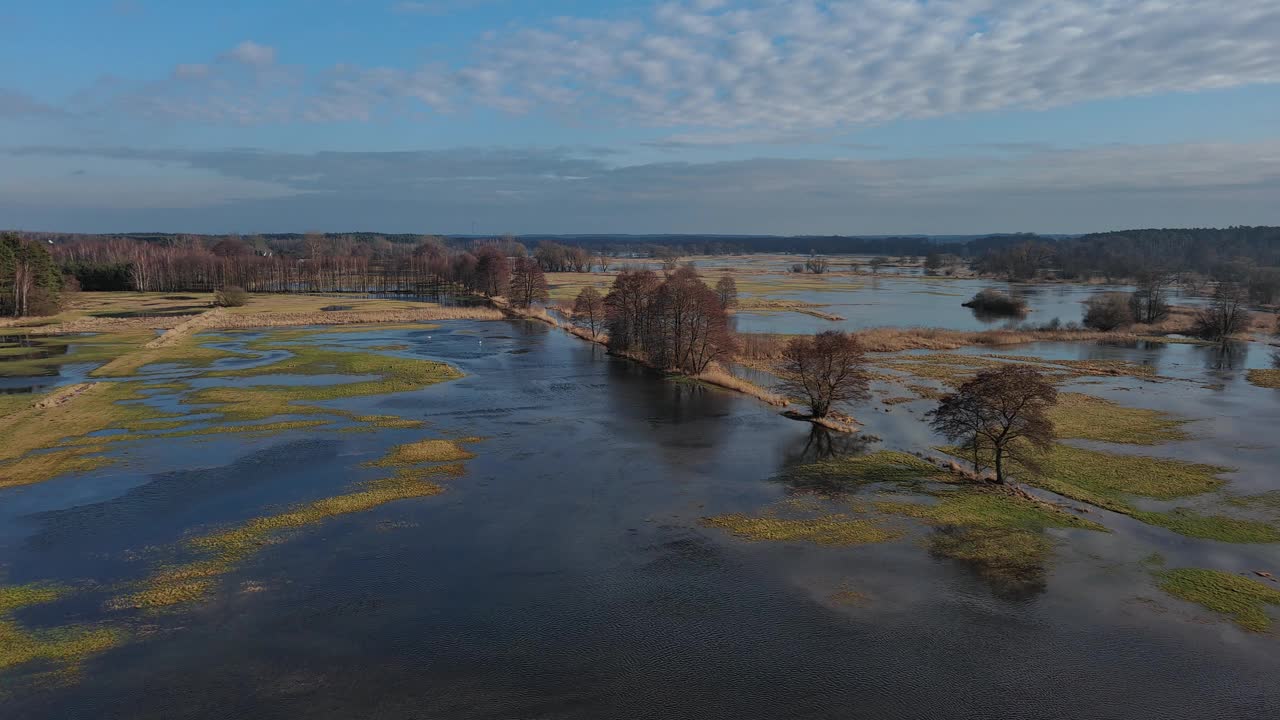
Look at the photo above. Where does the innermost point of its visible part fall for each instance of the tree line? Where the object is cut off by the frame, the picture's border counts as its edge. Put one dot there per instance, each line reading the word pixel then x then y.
pixel 1246 256
pixel 30 283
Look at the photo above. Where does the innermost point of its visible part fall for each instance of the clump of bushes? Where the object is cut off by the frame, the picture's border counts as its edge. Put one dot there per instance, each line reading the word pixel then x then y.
pixel 231 296
pixel 1108 311
pixel 995 302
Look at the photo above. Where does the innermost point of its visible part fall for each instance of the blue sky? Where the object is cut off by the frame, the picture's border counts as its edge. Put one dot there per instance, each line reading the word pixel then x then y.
pixel 808 116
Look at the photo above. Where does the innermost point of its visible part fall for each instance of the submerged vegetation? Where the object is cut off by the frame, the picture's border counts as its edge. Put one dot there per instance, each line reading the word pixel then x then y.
pixel 223 551
pixel 1243 599
pixel 62 649
pixel 998 532
pixel 822 530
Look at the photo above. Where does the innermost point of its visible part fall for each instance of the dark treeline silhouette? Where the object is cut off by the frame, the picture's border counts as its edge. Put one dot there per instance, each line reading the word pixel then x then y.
pixel 1246 255
pixel 315 263
pixel 1249 256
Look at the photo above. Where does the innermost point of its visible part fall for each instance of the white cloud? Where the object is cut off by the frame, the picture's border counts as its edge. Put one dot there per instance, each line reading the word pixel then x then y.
pixel 252 54
pixel 811 64
pixel 776 65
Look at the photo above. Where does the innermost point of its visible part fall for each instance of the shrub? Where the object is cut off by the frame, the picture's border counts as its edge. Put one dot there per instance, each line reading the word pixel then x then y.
pixel 997 303
pixel 1108 311
pixel 231 296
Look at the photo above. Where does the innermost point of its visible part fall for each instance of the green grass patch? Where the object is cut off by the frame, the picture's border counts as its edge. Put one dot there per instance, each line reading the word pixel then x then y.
pixel 1241 598
pixel 1107 480
pixel 988 508
pixel 824 530
pixel 1111 475
pixel 884 466
pixel 1090 418
pixel 1210 527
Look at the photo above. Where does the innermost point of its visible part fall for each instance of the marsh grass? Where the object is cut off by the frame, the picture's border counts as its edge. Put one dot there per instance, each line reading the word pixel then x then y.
pixel 40 466
pixel 1090 418
pixel 981 507
pixel 67 427
pixel 1107 480
pixel 424 451
pixel 1241 598
pixel 62 648
pixel 185 353
pixel 224 551
pixel 823 530
pixel 1265 378
pixel 718 376
pixel 96 348
pixel 1000 535
pixel 851 471
pixel 30 429
pixel 1112 475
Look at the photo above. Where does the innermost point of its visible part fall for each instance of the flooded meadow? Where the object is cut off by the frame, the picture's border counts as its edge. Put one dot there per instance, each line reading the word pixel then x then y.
pixel 495 519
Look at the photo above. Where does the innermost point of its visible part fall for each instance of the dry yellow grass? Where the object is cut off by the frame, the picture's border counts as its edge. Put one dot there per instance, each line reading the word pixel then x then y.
pixel 718 376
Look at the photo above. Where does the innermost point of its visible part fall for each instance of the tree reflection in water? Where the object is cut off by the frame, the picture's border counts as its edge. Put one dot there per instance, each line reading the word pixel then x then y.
pixel 823 444
pixel 1228 355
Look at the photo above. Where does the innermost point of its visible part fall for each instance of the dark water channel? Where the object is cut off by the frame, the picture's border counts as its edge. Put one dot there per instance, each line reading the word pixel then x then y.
pixel 565 576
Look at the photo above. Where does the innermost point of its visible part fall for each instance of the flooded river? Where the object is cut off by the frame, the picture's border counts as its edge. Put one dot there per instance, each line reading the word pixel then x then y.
pixel 565 574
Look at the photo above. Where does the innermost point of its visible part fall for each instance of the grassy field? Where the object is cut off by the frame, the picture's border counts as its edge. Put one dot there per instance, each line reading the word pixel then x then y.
pixel 54 434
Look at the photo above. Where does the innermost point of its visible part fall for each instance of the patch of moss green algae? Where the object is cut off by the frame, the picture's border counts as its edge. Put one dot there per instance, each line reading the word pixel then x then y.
pixel 1090 418
pixel 1243 599
pixel 823 530
pixel 61 648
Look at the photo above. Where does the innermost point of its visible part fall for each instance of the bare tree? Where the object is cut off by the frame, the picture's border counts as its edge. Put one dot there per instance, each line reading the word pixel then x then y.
pixel 1149 302
pixel 1225 316
pixel 1108 311
pixel 727 290
pixel 588 310
pixel 824 369
pixel 528 284
pixel 493 271
pixel 1000 415
pixel 876 263
pixel 816 265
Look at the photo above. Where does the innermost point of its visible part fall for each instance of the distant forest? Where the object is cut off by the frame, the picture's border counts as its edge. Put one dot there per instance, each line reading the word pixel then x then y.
pixel 365 261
